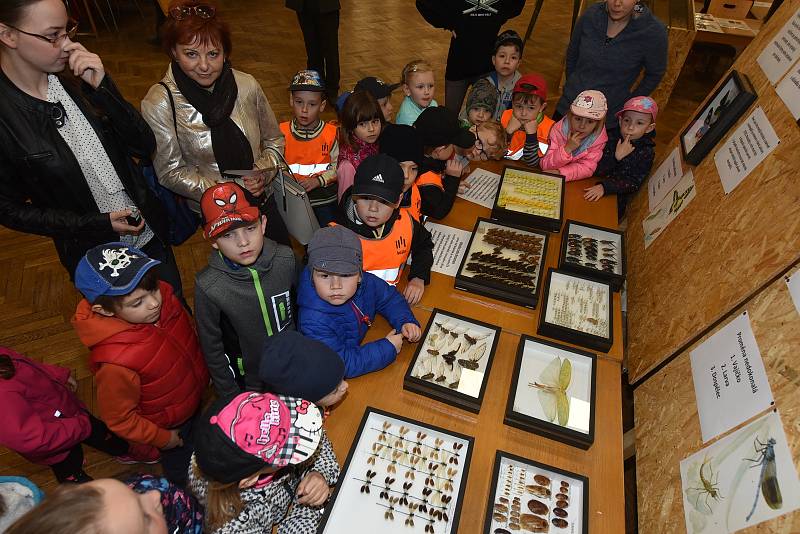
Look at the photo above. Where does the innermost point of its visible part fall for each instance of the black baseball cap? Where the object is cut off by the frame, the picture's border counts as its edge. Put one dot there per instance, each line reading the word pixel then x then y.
pixel 509 37
pixel 438 126
pixel 379 176
pixel 376 86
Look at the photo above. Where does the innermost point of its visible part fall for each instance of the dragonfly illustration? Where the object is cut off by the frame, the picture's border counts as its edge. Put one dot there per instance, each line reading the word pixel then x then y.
pixel 552 389
pixel 768 479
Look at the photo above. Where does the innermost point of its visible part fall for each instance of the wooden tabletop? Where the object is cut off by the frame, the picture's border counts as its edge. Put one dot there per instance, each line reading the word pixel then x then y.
pixel 602 463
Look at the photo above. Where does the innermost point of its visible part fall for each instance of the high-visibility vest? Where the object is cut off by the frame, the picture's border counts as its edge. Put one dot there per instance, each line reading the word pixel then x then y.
pixel 309 156
pixel 517 142
pixel 415 207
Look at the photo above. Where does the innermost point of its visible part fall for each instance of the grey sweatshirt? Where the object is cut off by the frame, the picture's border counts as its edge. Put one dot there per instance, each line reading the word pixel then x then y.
pixel 256 300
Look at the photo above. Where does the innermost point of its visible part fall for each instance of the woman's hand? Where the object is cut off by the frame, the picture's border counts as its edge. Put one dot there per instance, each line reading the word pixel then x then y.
pixel 85 65
pixel 310 183
pixel 120 225
pixel 594 193
pixel 255 183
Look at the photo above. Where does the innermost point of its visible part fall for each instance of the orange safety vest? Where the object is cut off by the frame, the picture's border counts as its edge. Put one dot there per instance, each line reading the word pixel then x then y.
pixel 386 256
pixel 517 143
pixel 415 207
pixel 308 157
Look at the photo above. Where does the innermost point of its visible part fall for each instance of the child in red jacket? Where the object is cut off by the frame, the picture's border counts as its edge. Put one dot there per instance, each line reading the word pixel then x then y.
pixel 44 421
pixel 145 355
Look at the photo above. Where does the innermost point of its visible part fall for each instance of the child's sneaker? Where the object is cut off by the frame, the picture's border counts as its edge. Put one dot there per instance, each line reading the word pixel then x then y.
pixel 140 454
pixel 78 478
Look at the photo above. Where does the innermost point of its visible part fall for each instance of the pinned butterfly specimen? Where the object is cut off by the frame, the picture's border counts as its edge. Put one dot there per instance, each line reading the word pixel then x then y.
pixel 368 482
pixel 552 389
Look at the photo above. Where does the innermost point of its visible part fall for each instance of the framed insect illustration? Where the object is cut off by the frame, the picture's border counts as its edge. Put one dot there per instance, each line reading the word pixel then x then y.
pixel 453 361
pixel 729 102
pixel 400 476
pixel 532 199
pixel 594 251
pixel 503 261
pixel 577 310
pixel 528 496
pixel 553 391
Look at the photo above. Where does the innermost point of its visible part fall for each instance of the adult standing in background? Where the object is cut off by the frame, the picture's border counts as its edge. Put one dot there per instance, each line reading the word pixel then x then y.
pixel 474 25
pixel 209 118
pixel 67 139
pixel 319 22
pixel 611 44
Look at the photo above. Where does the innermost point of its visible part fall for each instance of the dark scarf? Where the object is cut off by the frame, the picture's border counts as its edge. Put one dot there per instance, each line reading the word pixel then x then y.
pixel 232 150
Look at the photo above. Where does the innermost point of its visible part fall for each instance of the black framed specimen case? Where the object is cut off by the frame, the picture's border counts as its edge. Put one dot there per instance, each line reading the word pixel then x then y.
pixel 400 476
pixel 503 261
pixel 532 199
pixel 593 251
pixel 577 310
pixel 553 392
pixel 528 496
pixel 731 99
pixel 453 360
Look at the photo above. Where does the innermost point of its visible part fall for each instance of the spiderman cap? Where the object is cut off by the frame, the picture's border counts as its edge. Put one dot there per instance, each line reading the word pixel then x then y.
pixel 223 206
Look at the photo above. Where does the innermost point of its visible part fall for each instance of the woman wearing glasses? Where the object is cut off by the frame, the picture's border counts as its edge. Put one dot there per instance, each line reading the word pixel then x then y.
pixel 66 140
pixel 209 119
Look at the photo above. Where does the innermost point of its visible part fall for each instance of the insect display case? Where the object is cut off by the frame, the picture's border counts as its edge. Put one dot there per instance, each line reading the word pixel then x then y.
pixel 528 496
pixel 577 310
pixel 553 392
pixel 530 199
pixel 400 476
pixel 594 251
pixel 503 262
pixel 453 361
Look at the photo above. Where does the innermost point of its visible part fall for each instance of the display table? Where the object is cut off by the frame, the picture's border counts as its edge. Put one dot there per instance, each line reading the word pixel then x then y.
pixel 602 463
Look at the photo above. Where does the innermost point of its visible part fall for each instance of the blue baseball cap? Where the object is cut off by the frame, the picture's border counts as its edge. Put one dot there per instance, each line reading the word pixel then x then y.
pixel 112 269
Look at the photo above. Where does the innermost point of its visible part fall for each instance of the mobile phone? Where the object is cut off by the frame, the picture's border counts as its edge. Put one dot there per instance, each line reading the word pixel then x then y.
pixel 135 218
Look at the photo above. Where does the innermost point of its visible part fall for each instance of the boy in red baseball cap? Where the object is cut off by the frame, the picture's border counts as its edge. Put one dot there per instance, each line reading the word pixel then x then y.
pixel 243 296
pixel 526 124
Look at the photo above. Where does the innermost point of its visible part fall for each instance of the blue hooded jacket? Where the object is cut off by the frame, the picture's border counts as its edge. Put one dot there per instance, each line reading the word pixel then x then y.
pixel 343 327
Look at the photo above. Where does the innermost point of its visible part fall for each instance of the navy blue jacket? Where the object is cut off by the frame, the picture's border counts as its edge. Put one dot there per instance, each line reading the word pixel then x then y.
pixel 623 178
pixel 343 327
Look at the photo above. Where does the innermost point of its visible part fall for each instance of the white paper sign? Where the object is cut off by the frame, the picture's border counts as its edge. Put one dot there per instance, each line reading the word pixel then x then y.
pixel 670 207
pixel 749 145
pixel 706 23
pixel 793 282
pixel 666 176
pixel 730 382
pixel 734 24
pixel 482 187
pixel 789 90
pixel 449 246
pixel 731 484
pixel 783 51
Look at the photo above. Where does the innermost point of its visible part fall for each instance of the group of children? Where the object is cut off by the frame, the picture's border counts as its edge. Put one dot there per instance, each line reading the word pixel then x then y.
pixel 259 455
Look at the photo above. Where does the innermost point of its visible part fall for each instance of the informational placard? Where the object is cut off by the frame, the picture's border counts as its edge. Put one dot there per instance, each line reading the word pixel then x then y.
pixel 482 187
pixel 673 203
pixel 734 24
pixel 793 282
pixel 703 22
pixel 741 480
pixel 789 90
pixel 730 382
pixel 449 245
pixel 784 50
pixel 749 145
pixel 664 179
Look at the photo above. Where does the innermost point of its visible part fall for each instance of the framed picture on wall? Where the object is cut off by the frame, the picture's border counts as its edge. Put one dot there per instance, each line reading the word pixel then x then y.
pixel 528 496
pixel 401 476
pixel 553 392
pixel 453 361
pixel 731 99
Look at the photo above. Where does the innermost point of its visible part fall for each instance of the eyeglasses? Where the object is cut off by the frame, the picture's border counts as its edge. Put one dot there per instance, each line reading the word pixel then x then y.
pixel 481 148
pixel 72 30
pixel 204 11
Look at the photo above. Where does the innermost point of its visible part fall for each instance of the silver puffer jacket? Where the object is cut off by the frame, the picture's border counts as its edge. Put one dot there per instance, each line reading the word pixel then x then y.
pixel 184 160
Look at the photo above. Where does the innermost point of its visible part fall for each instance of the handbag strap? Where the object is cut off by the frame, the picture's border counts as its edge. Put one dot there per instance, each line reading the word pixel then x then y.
pixel 171 105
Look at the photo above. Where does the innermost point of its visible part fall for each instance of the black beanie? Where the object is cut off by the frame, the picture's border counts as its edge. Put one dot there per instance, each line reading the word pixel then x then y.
pixel 402 142
pixel 298 366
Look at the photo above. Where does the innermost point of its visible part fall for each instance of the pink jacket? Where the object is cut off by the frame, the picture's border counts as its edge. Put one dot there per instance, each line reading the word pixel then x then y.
pixel 41 418
pixel 576 167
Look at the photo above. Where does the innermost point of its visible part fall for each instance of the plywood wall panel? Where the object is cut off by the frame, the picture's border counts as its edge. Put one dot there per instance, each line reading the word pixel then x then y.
pixel 722 248
pixel 668 428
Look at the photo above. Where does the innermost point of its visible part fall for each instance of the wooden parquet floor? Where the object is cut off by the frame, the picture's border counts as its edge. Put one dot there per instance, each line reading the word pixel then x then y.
pixel 377 37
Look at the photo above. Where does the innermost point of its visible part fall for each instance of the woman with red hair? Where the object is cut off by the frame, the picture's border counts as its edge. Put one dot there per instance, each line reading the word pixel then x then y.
pixel 208 118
